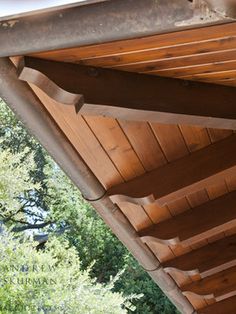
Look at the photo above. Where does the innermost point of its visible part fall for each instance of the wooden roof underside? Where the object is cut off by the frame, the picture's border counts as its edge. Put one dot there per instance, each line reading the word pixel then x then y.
pixel 118 151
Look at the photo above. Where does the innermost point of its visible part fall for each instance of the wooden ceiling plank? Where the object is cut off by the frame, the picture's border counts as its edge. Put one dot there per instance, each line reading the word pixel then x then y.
pixel 145 43
pixel 132 96
pixel 216 76
pixel 226 306
pixel 170 140
pixel 192 61
pixel 82 138
pixel 196 199
pixel 144 143
pixel 201 69
pixel 175 51
pixel 166 184
pixel 116 145
pixel 151 156
pixel 119 150
pixel 220 286
pixel 206 261
pixel 215 216
pixel 173 146
pixel 217 134
pixel 195 139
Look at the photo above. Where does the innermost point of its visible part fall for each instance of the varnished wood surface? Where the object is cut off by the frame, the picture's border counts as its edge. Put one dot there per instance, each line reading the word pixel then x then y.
pixel 147 189
pixel 132 96
pixel 207 54
pixel 219 286
pixel 215 216
pixel 207 260
pixel 118 151
pixel 227 306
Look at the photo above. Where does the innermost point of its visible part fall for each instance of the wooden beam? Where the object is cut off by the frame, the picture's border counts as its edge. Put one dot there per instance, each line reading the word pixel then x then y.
pixel 181 177
pixel 22 100
pixel 134 96
pixel 219 286
pixel 195 224
pixel 206 260
pixel 227 306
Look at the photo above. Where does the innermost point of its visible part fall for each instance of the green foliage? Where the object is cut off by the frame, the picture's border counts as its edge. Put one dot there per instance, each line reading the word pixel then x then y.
pixel 14 180
pixel 94 242
pixel 15 139
pixel 50 281
pixel 60 204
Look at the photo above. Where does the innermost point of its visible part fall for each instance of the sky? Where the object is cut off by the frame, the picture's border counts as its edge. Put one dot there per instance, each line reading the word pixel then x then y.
pixel 16 7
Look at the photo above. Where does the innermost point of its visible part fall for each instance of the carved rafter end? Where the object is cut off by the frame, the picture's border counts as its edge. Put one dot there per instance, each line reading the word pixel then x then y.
pixel 37 78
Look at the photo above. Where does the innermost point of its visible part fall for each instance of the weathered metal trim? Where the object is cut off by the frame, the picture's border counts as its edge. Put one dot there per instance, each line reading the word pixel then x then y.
pixel 224 8
pixel 34 9
pixel 21 99
pixel 99 23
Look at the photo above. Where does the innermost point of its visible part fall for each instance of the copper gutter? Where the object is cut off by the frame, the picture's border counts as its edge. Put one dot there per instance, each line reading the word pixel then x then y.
pixel 102 22
pixel 22 100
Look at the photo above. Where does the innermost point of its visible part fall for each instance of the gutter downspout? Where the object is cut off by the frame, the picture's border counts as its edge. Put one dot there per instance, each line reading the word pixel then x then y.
pixel 26 105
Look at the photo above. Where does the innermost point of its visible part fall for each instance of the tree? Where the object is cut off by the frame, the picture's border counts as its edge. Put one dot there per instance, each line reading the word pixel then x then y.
pixel 14 180
pixel 44 205
pixel 50 281
pixel 95 242
pixel 58 204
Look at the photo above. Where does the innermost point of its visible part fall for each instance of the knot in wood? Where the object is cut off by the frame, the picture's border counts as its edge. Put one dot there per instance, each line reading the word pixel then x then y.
pixel 93 72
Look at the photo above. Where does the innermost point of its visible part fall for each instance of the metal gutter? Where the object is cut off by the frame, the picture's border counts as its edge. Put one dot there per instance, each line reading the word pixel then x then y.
pixel 225 8
pixel 102 22
pixel 22 100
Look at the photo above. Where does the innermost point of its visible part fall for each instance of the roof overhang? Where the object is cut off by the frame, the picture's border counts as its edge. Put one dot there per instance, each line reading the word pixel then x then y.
pixel 99 23
pixel 103 22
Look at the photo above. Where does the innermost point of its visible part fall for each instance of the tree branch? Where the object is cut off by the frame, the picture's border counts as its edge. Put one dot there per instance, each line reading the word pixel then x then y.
pixel 31 226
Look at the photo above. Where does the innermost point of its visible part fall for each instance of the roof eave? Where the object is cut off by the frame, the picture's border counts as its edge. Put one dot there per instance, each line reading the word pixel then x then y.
pixel 102 22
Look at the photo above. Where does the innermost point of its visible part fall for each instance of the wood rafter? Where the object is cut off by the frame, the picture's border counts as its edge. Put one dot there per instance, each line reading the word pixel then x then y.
pixel 227 306
pixel 133 96
pixel 215 216
pixel 166 184
pixel 219 286
pixel 206 260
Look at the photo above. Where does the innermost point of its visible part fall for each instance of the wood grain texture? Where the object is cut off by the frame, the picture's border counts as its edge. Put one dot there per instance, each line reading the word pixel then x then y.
pixel 208 50
pixel 211 170
pixel 219 286
pixel 132 96
pixel 227 306
pixel 142 44
pixel 215 216
pixel 208 54
pixel 207 260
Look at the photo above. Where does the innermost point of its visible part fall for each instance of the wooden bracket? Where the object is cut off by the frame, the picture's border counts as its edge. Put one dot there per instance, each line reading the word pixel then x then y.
pixel 220 286
pixel 133 96
pixel 181 177
pixel 226 306
pixel 206 261
pixel 216 216
pixel 36 77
